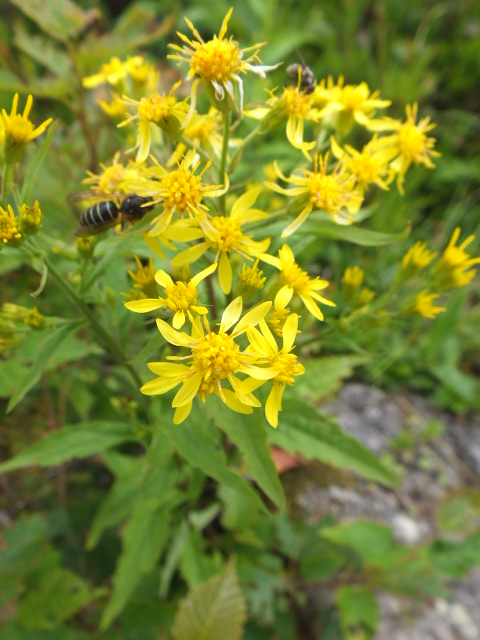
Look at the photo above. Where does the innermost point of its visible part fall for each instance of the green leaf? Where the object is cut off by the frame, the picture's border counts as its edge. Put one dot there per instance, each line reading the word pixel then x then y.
pixel 353 234
pixel 196 444
pixel 58 595
pixel 34 166
pixel 43 51
pixel 249 433
pixel 144 537
pixel 215 610
pixel 324 375
pixel 456 558
pixel 13 630
pixel 459 512
pixel 196 566
pixel 77 441
pixel 62 20
pixel 316 436
pixel 358 612
pixel 373 541
pixel 50 345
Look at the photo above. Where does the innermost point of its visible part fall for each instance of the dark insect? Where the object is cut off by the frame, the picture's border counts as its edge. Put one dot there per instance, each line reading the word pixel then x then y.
pixel 307 77
pixel 107 213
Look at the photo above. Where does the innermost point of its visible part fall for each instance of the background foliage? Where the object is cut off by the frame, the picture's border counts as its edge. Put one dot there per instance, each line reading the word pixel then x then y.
pixel 118 530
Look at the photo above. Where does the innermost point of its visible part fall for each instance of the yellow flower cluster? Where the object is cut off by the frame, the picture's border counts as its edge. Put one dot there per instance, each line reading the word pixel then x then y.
pixel 185 164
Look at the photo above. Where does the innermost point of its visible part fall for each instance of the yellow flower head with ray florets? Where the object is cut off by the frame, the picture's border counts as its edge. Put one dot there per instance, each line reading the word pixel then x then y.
pixel 9 227
pixel 453 268
pixel 17 130
pixel 218 62
pixel 215 359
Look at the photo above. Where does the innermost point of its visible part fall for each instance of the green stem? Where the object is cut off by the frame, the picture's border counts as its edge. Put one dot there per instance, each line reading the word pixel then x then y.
pixel 243 144
pixel 227 117
pixel 7 178
pixel 97 327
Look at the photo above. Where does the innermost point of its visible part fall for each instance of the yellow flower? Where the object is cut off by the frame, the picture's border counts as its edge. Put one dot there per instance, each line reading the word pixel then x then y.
pixel 9 227
pixel 409 144
pixel 295 106
pixel 276 320
pixel 345 105
pixel 251 280
pixel 218 63
pixel 181 298
pixel 160 109
pixel 180 191
pixel 30 218
pixel 333 192
pixel 423 305
pixel 369 166
pixel 417 258
pixel 224 235
pixel 352 281
pixel 144 278
pixel 295 281
pixel 282 361
pixel 204 131
pixel 453 268
pixel 18 129
pixel 117 178
pixel 215 359
pixel 33 318
pixel 115 71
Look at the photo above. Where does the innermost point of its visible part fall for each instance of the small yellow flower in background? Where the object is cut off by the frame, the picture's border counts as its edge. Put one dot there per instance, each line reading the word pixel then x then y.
pixel 367 166
pixel 453 269
pixel 33 318
pixel 204 131
pixel 215 359
pixel 115 109
pixel 162 110
pixel 181 298
pixel 281 360
pixel 117 177
pixel 224 235
pixel 115 72
pixel 365 295
pixel 352 281
pixel 144 278
pixel 410 144
pixel 343 105
pixel 218 63
pixel 18 130
pixel 85 245
pixel 9 227
pixel 276 320
pixel 251 280
pixel 30 218
pixel 180 191
pixel 335 193
pixel 295 106
pixel 417 258
pixel 423 305
pixel 295 281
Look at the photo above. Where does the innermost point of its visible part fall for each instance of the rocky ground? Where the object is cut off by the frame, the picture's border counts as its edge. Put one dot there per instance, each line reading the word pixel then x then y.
pixel 435 467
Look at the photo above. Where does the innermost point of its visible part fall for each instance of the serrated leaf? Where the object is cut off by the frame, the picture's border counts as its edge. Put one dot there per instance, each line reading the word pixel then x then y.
pixel 214 610
pixel 249 434
pixel 77 441
pixel 195 444
pixel 50 345
pixel 358 612
pixel 324 375
pixel 353 234
pixel 62 20
pixel 144 537
pixel 58 595
pixel 316 436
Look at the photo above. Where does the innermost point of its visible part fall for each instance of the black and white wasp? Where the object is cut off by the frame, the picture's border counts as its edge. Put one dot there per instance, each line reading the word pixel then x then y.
pixel 106 214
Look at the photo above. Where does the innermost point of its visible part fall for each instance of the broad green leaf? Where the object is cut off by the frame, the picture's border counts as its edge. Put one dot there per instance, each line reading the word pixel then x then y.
pixel 353 234
pixel 456 558
pixel 215 610
pixel 324 375
pixel 304 430
pixel 21 544
pixel 196 566
pixel 358 612
pixel 62 20
pixel 58 595
pixel 459 512
pixel 13 630
pixel 144 537
pixel 43 51
pixel 172 558
pixel 195 444
pixel 249 434
pixel 50 345
pixel 373 541
pixel 239 510
pixel 77 441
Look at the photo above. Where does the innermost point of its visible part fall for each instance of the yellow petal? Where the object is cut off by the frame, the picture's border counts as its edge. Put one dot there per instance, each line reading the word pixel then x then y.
pixel 159 385
pixel 253 317
pixel 163 278
pixel 283 297
pixel 203 274
pixel 178 319
pixel 179 338
pixel 225 274
pixel 274 404
pixel 188 390
pixel 181 413
pixel 232 401
pixel 148 304
pixel 232 313
pixel 245 201
pixel 312 307
pixel 168 369
pixel 189 255
pixel 289 332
